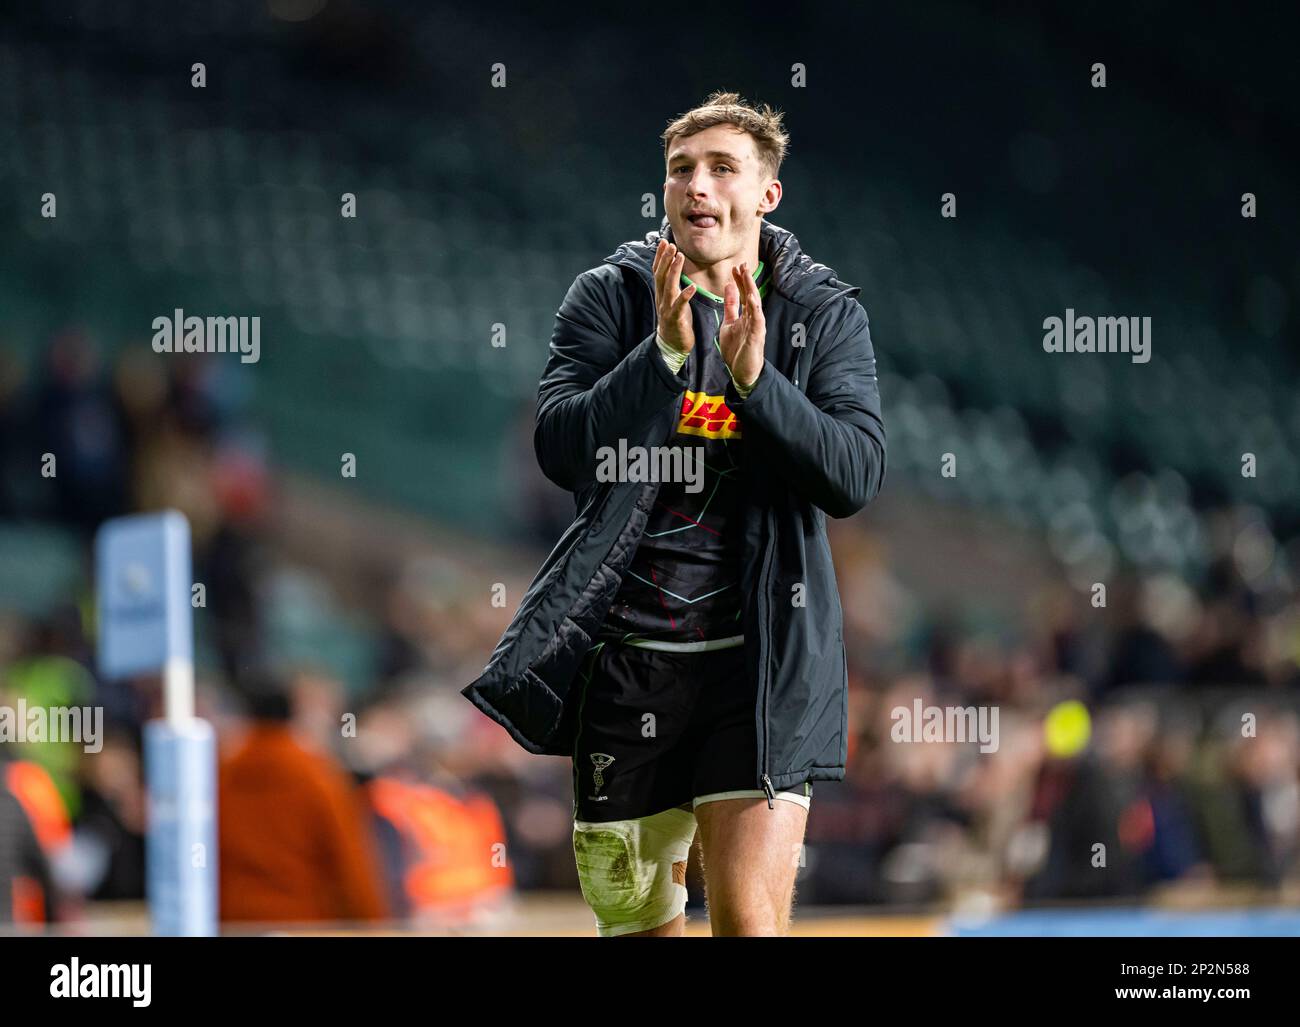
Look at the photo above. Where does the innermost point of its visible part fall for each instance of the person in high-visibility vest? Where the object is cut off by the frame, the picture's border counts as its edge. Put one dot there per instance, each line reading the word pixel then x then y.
pixel 452 849
pixel 34 828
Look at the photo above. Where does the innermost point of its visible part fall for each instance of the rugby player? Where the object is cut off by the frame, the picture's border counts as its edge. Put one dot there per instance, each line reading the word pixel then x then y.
pixel 684 646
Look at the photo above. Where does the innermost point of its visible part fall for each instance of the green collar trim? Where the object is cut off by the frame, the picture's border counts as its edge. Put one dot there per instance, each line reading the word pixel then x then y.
pixel 758 272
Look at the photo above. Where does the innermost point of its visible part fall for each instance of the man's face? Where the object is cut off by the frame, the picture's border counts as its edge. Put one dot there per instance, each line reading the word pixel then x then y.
pixel 716 171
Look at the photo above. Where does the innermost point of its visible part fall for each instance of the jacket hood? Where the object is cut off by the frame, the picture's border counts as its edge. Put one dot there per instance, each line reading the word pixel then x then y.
pixel 795 275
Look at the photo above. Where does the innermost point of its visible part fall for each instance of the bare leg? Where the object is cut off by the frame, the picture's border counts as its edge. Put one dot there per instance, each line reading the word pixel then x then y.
pixel 751 857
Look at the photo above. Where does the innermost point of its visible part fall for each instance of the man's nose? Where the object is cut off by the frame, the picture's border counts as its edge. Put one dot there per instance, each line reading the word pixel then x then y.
pixel 696 187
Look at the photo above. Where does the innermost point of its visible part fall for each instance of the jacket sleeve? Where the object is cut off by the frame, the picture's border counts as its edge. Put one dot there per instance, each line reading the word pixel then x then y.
pixel 829 444
pixel 591 394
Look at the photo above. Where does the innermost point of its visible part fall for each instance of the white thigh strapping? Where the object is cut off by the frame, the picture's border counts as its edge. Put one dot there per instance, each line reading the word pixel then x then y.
pixel 625 868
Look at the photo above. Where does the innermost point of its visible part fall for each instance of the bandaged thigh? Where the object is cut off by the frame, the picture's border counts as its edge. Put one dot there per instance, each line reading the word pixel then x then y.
pixel 633 872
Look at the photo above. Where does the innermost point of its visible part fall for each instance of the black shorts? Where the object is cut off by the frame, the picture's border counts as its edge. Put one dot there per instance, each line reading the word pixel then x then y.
pixel 658 730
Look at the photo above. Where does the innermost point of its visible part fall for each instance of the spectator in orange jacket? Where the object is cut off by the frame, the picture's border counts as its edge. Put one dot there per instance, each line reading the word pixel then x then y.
pixel 294 832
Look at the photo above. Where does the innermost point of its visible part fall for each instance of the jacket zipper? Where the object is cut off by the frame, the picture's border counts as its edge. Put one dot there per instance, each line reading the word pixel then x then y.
pixel 767 633
pixel 764 682
pixel 765 780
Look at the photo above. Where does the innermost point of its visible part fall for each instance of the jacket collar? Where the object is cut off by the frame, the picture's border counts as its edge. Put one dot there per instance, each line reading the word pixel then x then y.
pixel 795 275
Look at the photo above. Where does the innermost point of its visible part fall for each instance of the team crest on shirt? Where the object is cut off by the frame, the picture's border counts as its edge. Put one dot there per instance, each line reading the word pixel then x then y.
pixel 600 761
pixel 708 416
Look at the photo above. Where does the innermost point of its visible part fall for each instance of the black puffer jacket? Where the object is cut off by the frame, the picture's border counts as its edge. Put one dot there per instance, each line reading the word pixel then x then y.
pixel 814 446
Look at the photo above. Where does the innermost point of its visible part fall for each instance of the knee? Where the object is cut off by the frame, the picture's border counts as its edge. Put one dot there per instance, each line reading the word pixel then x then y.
pixel 749 924
pixel 750 913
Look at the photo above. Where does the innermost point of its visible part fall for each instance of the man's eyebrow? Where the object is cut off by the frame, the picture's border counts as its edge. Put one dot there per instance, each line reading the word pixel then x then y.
pixel 682 155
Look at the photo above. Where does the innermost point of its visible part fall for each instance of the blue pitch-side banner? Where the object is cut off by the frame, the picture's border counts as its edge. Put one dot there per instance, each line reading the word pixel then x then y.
pixel 143 582
pixel 142 566
pixel 181 849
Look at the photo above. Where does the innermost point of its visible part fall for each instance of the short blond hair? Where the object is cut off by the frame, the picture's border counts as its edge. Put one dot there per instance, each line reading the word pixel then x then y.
pixel 763 124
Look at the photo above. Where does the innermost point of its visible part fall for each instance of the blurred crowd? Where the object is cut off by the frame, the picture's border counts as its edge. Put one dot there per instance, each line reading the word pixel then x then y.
pixel 1181 766
pixel 397 801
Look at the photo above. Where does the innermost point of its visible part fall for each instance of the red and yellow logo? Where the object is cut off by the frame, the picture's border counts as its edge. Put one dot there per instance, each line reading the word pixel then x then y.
pixel 708 416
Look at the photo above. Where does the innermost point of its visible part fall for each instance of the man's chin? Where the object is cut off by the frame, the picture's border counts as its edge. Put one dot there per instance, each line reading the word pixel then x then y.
pixel 701 252
pixel 691 252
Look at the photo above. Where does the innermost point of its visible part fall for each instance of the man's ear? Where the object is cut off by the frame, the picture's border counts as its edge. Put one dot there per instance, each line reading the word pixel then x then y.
pixel 773 190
